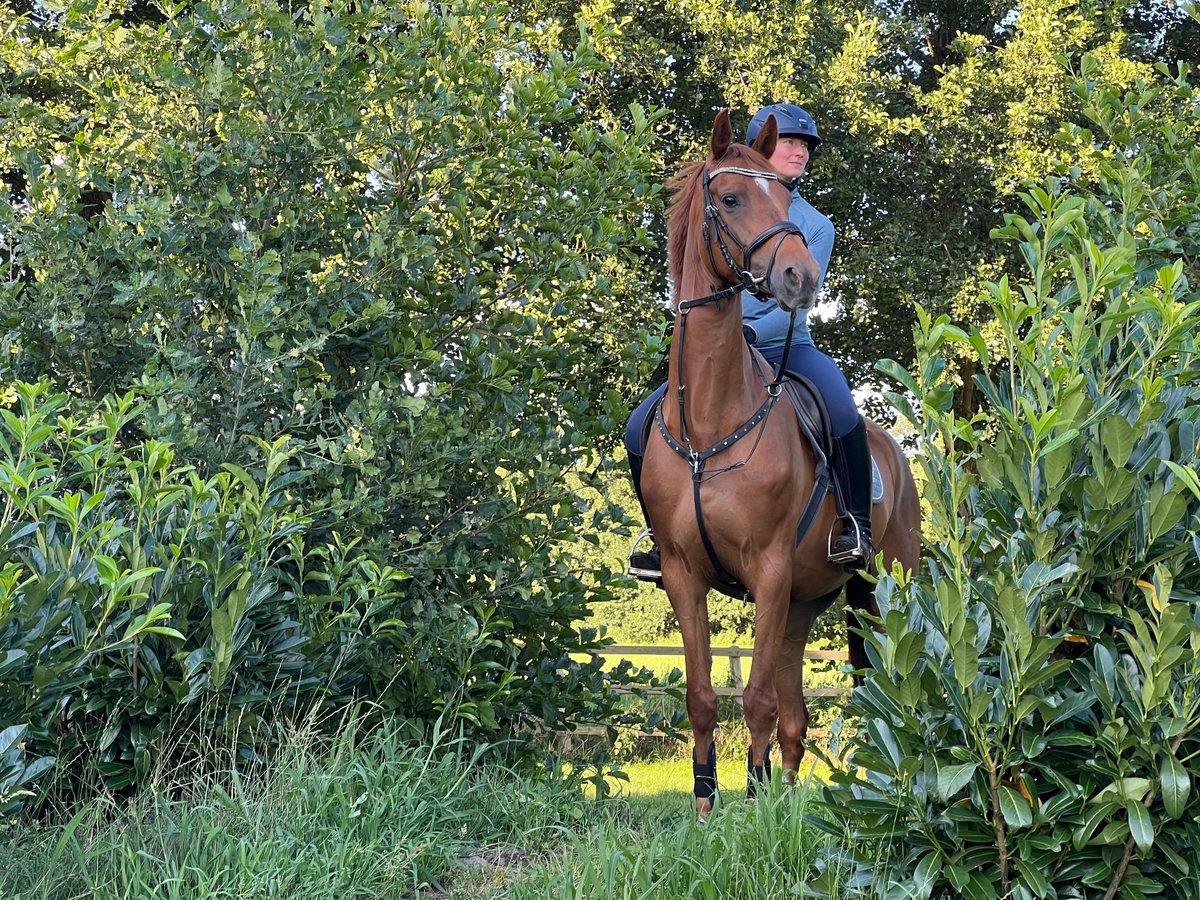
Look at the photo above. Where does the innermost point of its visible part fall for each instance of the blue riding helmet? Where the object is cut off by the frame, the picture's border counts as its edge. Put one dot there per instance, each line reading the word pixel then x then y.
pixel 792 122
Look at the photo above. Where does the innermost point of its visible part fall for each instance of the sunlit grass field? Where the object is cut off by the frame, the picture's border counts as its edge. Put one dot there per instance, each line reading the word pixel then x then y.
pixel 672 777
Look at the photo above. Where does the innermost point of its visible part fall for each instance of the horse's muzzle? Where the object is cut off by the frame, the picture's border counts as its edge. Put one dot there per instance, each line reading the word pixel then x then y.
pixel 794 286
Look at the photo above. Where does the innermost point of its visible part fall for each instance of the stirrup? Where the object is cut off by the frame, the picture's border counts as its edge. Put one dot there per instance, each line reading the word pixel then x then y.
pixel 857 553
pixel 639 571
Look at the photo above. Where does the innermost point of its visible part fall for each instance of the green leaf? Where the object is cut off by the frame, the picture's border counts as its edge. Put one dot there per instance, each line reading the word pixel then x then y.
pixel 952 779
pixel 1015 808
pixel 1123 789
pixel 1167 512
pixel 1140 827
pixel 1187 475
pixel 1117 435
pixel 163 630
pixel 926 873
pixel 1175 785
pixel 898 373
pixel 1092 819
pixel 10 736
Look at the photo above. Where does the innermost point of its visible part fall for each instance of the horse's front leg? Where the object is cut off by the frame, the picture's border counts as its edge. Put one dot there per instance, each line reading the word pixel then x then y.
pixel 689 599
pixel 760 701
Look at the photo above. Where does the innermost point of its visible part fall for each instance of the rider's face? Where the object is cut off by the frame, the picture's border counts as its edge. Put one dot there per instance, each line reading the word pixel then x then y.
pixel 790 157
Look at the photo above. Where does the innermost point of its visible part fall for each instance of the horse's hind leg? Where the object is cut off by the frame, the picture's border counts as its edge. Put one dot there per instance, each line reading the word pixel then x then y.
pixel 900 542
pixel 860 595
pixel 789 682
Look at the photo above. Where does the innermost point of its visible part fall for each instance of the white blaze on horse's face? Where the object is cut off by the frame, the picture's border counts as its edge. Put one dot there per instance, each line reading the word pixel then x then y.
pixel 788 264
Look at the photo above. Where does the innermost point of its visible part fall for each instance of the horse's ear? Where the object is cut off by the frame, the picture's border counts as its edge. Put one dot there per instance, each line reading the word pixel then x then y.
pixel 722 135
pixel 768 137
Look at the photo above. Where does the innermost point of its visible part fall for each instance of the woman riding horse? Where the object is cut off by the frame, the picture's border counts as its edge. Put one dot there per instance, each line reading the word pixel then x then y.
pixel 732 488
pixel 767 327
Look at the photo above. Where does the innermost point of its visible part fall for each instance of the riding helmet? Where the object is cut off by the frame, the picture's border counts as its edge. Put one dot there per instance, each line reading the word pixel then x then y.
pixel 792 122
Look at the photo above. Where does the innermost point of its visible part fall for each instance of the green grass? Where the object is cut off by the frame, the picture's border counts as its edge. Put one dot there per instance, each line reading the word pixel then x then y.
pixel 656 850
pixel 672 774
pixel 374 817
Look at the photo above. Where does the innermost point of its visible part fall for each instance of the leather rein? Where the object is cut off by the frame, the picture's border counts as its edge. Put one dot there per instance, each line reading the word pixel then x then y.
pixel 715 226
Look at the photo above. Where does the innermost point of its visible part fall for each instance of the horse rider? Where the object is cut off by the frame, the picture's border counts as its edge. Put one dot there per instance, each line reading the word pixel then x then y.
pixel 766 327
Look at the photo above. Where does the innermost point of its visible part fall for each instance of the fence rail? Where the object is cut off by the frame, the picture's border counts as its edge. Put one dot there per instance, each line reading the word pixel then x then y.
pixel 735 655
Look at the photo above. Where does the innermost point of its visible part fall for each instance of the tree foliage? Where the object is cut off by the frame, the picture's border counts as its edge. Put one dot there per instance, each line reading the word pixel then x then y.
pixel 934 115
pixel 381 234
pixel 1030 728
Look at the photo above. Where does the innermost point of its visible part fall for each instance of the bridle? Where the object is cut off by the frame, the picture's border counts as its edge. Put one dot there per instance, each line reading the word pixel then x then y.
pixel 715 226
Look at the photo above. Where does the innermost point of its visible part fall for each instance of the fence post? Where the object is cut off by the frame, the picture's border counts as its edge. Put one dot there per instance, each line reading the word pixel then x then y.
pixel 735 673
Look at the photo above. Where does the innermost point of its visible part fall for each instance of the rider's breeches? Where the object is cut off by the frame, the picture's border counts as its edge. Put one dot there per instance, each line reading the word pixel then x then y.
pixel 822 371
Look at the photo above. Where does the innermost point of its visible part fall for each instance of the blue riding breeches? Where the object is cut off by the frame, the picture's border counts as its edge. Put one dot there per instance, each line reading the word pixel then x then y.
pixel 804 359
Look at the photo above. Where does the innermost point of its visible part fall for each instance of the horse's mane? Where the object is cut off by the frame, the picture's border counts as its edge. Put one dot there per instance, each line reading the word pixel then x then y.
pixel 683 186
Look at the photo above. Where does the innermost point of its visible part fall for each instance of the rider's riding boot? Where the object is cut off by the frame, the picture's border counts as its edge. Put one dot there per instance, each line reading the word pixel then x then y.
pixel 645 565
pixel 852 462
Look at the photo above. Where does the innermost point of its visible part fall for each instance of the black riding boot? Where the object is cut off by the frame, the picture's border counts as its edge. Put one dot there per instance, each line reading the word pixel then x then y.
pixel 645 565
pixel 852 465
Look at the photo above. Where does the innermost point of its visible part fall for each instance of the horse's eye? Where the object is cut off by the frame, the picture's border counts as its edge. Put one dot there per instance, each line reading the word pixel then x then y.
pixel 730 200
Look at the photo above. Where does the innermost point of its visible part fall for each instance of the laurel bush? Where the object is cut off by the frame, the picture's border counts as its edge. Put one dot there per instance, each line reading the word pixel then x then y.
pixel 1032 722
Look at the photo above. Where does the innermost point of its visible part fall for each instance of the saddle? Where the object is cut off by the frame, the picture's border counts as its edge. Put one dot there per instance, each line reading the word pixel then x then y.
pixel 815 427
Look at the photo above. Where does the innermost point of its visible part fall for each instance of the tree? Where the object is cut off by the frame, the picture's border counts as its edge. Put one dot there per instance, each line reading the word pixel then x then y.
pixel 935 114
pixel 384 232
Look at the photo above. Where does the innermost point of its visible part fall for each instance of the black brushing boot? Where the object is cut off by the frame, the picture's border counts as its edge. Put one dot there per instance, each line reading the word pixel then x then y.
pixel 757 776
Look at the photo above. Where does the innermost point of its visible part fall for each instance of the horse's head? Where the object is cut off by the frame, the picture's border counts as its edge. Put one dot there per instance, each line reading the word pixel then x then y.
pixel 737 207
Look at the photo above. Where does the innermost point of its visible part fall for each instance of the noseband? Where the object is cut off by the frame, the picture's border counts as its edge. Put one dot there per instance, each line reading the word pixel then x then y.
pixel 715 225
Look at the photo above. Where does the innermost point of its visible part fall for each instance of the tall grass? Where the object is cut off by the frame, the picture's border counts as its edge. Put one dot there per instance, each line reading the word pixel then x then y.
pixel 747 850
pixel 374 816
pixel 369 818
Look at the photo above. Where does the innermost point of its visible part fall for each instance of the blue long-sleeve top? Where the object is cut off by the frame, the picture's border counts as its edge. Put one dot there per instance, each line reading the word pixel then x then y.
pixel 767 324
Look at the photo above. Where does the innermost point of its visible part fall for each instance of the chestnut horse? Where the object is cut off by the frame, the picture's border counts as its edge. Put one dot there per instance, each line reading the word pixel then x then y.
pixel 729 475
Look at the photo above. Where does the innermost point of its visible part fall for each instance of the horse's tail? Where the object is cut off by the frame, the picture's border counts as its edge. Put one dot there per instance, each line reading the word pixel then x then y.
pixel 860 597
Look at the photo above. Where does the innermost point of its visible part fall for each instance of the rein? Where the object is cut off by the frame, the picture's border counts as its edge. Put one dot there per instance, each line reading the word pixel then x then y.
pixel 715 226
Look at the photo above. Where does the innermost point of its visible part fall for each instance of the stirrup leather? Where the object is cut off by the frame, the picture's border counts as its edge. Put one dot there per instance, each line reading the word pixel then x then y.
pixel 637 571
pixel 855 553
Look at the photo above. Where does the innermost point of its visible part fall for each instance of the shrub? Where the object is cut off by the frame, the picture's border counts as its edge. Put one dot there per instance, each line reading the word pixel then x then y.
pixel 1034 715
pixel 132 591
pixel 149 616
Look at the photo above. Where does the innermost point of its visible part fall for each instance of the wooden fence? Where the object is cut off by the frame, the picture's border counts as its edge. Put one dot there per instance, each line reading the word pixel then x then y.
pixel 735 690
pixel 735 655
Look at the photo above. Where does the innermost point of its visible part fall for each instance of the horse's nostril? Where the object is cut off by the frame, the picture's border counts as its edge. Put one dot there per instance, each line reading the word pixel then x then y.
pixel 794 275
